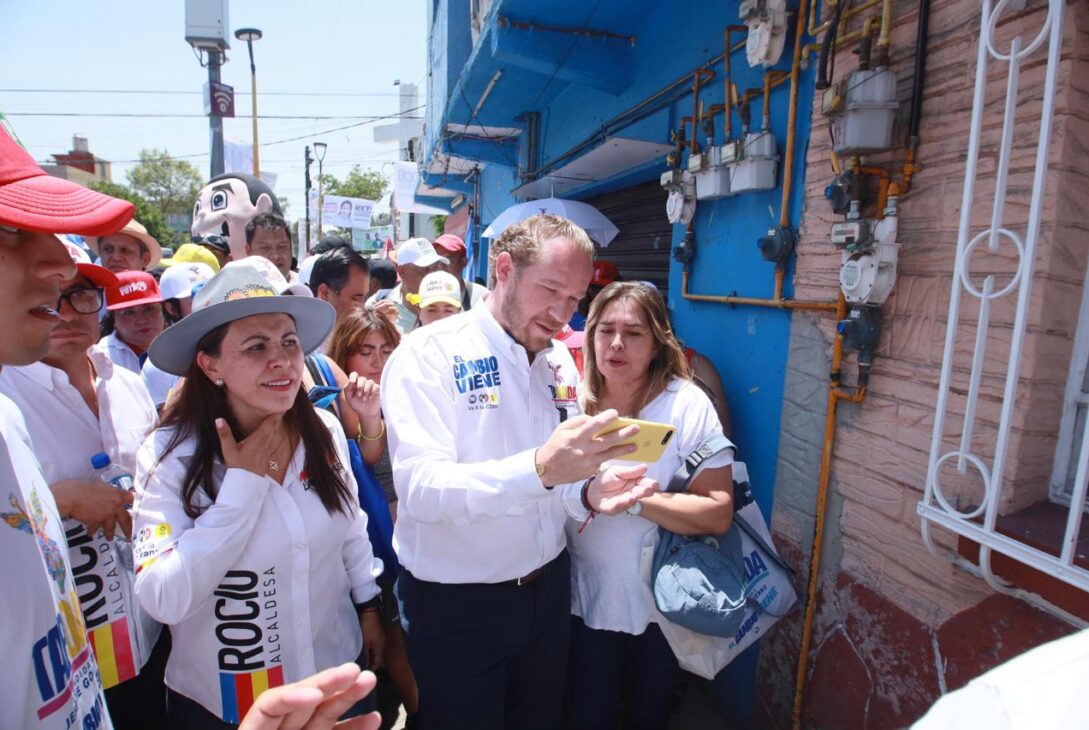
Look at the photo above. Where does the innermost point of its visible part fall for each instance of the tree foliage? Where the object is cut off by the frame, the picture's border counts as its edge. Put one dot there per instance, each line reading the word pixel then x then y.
pixel 358 183
pixel 438 223
pixel 168 184
pixel 148 215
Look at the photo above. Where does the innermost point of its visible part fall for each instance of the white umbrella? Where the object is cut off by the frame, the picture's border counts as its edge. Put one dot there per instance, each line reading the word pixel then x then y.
pixel 589 218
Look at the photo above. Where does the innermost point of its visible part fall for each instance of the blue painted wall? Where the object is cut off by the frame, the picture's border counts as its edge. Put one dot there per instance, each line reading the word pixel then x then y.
pixel 747 344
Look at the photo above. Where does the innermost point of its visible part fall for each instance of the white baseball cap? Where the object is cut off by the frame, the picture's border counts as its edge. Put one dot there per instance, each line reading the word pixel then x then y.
pixel 178 280
pixel 418 252
pixel 272 275
pixel 439 286
pixel 306 267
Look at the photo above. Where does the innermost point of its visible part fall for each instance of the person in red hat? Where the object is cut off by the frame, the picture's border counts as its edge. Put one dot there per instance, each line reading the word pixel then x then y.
pixel 78 404
pixel 50 679
pixel 605 273
pixel 136 317
pixel 453 248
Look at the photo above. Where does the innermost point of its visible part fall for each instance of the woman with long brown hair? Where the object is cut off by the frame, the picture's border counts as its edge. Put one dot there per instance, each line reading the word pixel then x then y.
pixel 619 656
pixel 249 540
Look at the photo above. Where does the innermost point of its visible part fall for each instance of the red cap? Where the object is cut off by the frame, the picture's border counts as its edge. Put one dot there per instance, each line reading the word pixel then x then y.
pixel 605 273
pixel 133 288
pixel 449 242
pixel 99 276
pixel 33 201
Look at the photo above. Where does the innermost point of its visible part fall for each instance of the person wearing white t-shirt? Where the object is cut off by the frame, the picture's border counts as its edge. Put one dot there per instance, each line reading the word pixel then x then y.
pixel 619 655
pixel 78 403
pixel 250 542
pixel 50 679
pixel 490 456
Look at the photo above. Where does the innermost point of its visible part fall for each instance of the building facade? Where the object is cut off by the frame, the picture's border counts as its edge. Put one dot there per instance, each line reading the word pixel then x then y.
pixel 935 469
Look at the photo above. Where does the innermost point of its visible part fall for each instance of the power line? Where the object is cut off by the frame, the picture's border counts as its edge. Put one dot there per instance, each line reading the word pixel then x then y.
pixel 192 93
pixel 143 115
pixel 310 135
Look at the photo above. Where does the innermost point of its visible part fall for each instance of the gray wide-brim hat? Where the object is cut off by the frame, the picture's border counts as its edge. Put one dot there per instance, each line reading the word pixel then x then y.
pixel 235 293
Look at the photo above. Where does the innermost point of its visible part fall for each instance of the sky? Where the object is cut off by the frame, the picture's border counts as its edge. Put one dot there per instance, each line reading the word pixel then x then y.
pixel 348 51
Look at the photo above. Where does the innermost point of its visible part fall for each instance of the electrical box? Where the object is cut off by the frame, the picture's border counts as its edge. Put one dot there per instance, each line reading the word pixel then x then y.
pixel 754 168
pixel 713 181
pixel 864 111
pixel 767 22
pixel 206 24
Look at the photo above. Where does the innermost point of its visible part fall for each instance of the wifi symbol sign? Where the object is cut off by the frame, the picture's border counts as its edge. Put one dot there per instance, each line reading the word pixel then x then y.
pixel 218 99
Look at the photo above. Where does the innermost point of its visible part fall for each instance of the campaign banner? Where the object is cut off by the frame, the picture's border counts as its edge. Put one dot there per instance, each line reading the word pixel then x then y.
pixel 369 240
pixel 346 212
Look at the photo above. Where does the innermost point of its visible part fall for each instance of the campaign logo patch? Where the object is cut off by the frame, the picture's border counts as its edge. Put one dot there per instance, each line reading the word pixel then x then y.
pixel 478 380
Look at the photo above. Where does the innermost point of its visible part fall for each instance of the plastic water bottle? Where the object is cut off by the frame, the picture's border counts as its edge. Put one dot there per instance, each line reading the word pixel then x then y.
pixel 115 476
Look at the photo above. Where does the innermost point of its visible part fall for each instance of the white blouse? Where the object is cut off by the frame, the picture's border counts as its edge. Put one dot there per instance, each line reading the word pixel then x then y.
pixel 607 589
pixel 258 590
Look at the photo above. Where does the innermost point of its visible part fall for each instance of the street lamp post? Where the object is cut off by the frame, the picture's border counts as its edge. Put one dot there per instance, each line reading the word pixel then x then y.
pixel 249 35
pixel 307 160
pixel 319 152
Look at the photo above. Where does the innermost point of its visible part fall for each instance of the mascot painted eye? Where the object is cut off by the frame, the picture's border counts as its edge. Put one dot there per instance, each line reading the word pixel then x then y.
pixel 227 202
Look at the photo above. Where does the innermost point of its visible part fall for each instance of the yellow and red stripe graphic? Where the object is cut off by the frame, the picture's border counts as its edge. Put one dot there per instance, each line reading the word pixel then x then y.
pixel 240 690
pixel 113 652
pixel 566 393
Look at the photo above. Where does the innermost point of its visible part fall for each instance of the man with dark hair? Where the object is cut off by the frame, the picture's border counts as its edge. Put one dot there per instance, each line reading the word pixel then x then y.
pixel 383 275
pixel 268 236
pixel 342 278
pixel 227 203
pixel 327 243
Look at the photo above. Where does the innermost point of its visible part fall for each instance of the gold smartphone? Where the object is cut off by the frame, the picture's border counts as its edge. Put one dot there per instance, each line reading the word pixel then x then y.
pixel 651 439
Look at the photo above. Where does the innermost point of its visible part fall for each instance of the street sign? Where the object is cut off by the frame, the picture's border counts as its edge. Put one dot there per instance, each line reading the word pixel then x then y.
pixel 218 99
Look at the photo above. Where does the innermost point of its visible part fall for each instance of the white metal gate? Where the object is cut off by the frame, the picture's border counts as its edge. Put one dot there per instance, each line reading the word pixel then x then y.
pixel 978 523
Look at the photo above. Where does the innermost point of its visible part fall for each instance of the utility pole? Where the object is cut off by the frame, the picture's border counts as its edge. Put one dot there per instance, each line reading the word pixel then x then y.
pixel 305 248
pixel 215 123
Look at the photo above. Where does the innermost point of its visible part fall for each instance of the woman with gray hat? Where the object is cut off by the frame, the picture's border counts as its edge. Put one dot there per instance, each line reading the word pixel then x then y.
pixel 249 540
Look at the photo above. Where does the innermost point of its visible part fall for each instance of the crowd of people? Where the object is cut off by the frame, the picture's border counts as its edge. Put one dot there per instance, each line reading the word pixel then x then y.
pixel 352 463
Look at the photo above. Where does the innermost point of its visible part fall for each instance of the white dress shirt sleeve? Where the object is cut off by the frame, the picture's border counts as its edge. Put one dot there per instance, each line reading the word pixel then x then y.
pixel 180 560
pixel 431 484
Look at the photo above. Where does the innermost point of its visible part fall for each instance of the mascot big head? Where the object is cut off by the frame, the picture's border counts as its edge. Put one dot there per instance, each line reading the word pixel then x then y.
pixel 226 204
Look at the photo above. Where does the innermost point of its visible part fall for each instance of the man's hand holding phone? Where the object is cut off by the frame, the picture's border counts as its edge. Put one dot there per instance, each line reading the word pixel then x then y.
pixel 576 449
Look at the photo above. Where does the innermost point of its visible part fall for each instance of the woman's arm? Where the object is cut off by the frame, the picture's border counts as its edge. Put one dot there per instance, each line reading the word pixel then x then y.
pixel 364 400
pixel 707 508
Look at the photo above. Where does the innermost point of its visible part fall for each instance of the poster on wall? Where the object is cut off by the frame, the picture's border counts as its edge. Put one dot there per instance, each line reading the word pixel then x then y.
pixel 346 212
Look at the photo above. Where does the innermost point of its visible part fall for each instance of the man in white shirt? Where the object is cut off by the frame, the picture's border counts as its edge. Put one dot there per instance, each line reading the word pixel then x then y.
pixel 78 403
pixel 416 258
pixel 490 459
pixel 50 679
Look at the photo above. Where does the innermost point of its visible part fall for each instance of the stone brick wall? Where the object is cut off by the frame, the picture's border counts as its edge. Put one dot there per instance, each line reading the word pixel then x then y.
pixel 897 626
